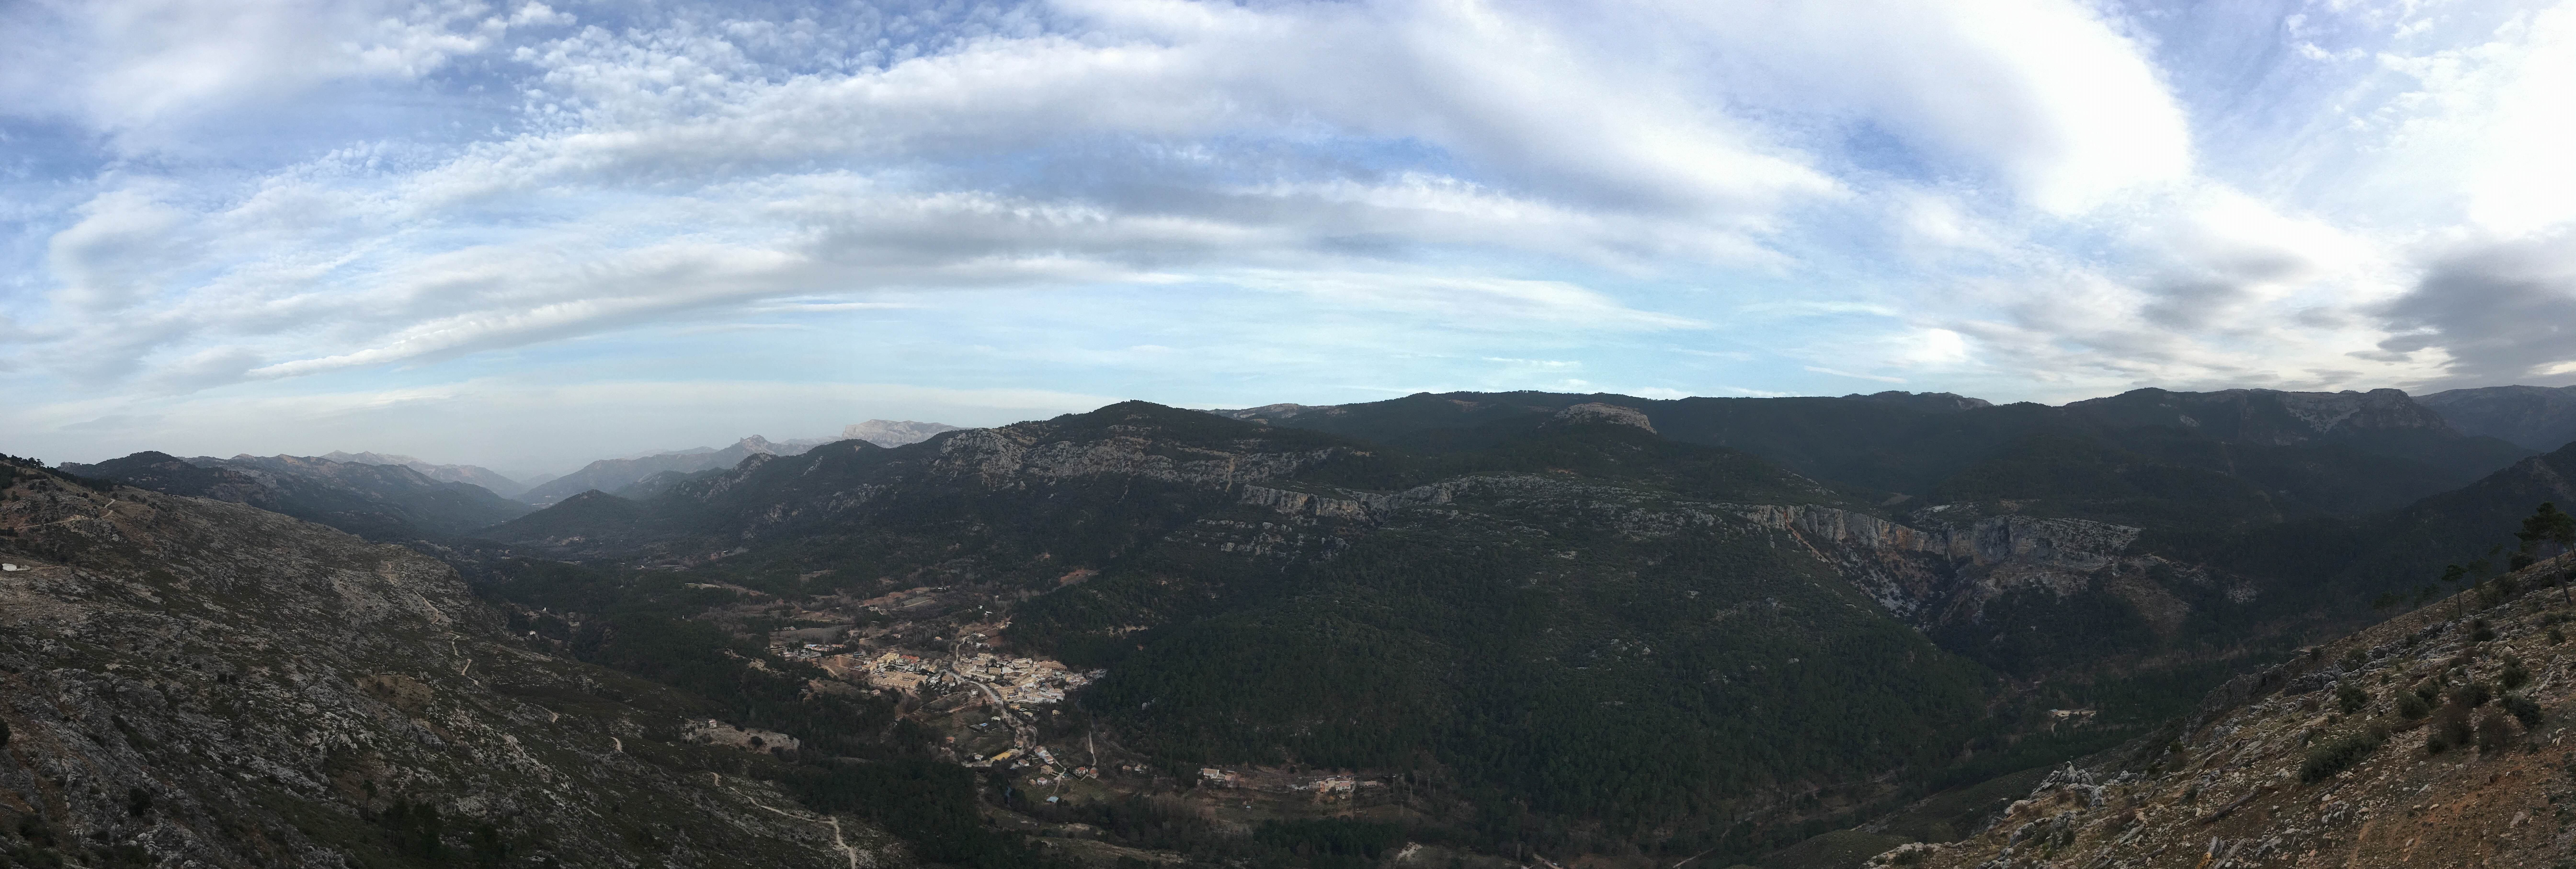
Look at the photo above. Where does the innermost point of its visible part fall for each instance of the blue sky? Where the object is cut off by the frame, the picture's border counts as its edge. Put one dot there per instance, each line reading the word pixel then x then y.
pixel 525 235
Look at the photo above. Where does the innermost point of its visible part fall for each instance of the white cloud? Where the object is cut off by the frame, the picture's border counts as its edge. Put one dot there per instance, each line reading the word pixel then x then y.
pixel 145 70
pixel 1877 377
pixel 2042 196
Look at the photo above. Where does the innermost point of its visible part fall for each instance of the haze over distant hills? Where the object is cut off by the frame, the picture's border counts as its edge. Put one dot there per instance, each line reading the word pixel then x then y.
pixel 610 475
pixel 477 475
pixel 375 501
pixel 2538 417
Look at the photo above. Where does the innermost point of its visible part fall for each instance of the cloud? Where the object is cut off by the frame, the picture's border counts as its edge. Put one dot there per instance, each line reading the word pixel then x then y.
pixel 1496 304
pixel 146 71
pixel 2051 100
pixel 2030 198
pixel 1877 377
pixel 2495 312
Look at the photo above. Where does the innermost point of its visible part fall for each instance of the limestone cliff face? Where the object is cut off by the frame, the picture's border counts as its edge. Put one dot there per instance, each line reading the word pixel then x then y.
pixel 1945 572
pixel 190 682
pixel 1929 573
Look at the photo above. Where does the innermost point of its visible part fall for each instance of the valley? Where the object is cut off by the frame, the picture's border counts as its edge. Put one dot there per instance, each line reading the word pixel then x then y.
pixel 1470 630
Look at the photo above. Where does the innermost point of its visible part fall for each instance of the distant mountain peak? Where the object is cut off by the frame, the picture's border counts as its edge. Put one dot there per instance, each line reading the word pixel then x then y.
pixel 895 433
pixel 1929 402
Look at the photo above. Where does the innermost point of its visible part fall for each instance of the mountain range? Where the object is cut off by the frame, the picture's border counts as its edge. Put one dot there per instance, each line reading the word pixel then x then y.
pixel 485 477
pixel 610 475
pixel 1474 629
pixel 376 501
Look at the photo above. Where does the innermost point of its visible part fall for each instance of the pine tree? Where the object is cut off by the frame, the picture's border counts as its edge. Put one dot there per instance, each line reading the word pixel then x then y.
pixel 2546 533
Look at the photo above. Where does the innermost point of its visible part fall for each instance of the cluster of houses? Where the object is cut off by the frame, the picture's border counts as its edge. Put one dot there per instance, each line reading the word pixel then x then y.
pixel 1020 682
pixel 893 671
pixel 1025 681
pixel 1039 757
pixel 809 651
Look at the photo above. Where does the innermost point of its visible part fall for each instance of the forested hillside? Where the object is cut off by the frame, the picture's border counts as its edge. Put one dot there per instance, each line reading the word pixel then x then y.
pixel 1641 640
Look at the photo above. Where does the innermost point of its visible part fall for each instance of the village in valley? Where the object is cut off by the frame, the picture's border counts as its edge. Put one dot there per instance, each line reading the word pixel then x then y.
pixel 937 651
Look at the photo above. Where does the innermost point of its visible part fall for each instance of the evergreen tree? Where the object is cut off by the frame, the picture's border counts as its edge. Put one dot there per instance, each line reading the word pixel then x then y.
pixel 2547 532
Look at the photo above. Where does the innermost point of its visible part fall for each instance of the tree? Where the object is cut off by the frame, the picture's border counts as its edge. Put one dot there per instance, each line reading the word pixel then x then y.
pixel 2452 575
pixel 2547 532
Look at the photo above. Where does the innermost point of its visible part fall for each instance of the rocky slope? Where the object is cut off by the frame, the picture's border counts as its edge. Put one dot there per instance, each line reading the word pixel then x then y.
pixel 2437 738
pixel 191 682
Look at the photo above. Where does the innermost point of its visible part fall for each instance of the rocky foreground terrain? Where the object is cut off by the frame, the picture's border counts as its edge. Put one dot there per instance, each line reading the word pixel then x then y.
pixel 2438 738
pixel 186 682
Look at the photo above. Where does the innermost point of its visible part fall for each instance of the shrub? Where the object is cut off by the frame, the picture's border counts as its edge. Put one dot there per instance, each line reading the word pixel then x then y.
pixel 2495 730
pixel 2450 728
pixel 2412 706
pixel 2350 698
pixel 2523 710
pixel 2472 695
pixel 2557 636
pixel 2337 755
pixel 2480 631
pixel 2514 675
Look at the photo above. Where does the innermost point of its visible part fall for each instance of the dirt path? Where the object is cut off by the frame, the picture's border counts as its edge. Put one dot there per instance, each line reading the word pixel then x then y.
pixel 839 844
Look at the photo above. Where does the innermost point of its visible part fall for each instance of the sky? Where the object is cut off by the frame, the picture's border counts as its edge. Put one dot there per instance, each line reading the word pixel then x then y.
pixel 526 235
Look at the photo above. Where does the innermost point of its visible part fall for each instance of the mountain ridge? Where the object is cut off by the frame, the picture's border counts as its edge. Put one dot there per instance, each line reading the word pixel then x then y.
pixel 380 502
pixel 487 478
